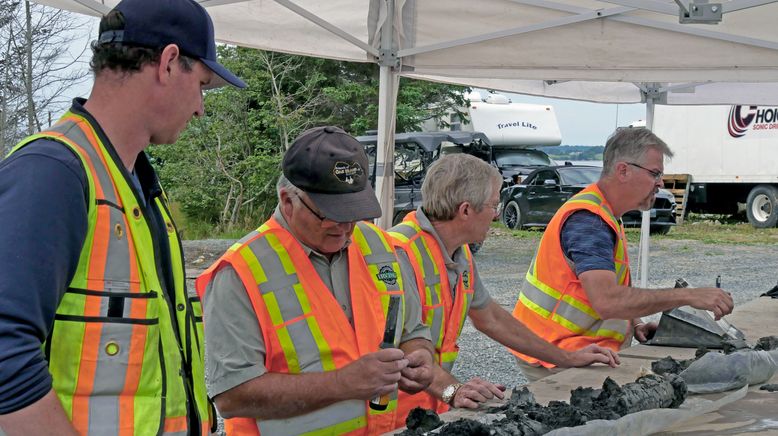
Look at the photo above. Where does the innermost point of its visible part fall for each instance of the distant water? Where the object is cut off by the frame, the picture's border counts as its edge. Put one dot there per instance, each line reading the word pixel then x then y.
pixel 595 163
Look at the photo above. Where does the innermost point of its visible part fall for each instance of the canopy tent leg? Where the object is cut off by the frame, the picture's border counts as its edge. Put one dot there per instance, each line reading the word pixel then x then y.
pixel 645 224
pixel 387 103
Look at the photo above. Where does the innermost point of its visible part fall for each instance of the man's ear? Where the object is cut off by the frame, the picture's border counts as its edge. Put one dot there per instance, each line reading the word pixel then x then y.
pixel 167 61
pixel 622 168
pixel 465 210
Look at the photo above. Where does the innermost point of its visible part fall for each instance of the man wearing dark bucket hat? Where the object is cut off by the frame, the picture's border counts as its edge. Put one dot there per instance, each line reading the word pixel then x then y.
pixel 307 298
pixel 97 332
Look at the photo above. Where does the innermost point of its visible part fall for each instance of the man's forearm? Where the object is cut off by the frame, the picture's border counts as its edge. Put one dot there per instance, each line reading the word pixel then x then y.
pixel 442 379
pixel 500 325
pixel 45 416
pixel 633 303
pixel 278 396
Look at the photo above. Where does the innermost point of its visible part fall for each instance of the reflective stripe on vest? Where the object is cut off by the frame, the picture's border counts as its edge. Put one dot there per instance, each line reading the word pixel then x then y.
pixel 306 329
pixel 445 316
pixel 113 352
pixel 569 311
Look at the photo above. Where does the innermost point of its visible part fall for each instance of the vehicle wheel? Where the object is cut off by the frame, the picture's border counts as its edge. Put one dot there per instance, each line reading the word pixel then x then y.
pixel 474 247
pixel 762 206
pixel 659 230
pixel 512 216
pixel 399 216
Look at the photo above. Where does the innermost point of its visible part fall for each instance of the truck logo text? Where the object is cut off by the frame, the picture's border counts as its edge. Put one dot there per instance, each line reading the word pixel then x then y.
pixel 501 126
pixel 744 118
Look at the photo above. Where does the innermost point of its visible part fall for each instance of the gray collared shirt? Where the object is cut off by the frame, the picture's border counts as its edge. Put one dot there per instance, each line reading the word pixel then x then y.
pixel 455 266
pixel 235 348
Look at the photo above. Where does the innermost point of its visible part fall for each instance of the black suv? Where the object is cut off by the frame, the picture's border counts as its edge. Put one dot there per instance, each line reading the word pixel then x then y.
pixel 414 152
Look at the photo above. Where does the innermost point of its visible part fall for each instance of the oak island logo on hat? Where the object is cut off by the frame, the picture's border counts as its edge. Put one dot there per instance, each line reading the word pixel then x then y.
pixel 157 23
pixel 331 167
pixel 346 171
pixel 387 275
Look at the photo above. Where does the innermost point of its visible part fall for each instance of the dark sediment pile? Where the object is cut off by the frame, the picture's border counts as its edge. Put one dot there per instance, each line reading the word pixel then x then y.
pixel 772 387
pixel 524 416
pixel 767 343
pixel 668 365
pixel 422 420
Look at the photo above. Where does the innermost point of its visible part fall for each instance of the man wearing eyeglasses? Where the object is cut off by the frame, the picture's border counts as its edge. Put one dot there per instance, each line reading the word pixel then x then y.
pixel 461 197
pixel 578 290
pixel 295 311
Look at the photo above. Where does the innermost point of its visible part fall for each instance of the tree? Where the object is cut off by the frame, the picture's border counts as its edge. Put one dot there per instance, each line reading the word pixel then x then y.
pixel 36 66
pixel 223 169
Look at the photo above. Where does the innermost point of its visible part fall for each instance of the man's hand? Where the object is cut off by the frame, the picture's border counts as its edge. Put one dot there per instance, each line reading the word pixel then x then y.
pixel 644 331
pixel 418 374
pixel 374 374
pixel 471 394
pixel 713 299
pixel 593 353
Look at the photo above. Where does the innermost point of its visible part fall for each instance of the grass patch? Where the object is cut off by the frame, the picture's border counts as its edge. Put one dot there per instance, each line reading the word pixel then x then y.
pixel 715 230
pixel 192 229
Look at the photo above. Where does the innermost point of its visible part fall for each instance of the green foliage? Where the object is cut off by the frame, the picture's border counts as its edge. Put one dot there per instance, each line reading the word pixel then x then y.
pixel 223 169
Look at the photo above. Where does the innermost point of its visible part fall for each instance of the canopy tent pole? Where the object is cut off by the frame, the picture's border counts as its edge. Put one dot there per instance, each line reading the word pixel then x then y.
pixel 645 224
pixel 388 82
pixel 387 103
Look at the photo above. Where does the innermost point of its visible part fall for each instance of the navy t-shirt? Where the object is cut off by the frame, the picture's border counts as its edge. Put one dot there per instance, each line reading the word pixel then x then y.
pixel 43 224
pixel 43 221
pixel 588 241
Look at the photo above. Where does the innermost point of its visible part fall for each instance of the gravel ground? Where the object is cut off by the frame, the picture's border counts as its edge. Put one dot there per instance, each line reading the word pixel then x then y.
pixel 746 271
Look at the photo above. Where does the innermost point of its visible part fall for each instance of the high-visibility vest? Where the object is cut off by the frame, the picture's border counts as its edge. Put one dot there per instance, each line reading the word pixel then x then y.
pixel 553 303
pixel 443 313
pixel 305 328
pixel 118 364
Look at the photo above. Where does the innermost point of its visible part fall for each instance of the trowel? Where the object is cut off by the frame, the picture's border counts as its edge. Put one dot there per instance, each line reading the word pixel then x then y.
pixel 688 327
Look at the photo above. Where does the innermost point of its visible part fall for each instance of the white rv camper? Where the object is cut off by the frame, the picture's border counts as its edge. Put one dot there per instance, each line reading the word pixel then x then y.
pixel 731 154
pixel 512 125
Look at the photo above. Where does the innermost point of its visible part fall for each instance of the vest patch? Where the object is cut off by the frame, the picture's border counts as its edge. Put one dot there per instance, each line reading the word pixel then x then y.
pixel 387 275
pixel 466 278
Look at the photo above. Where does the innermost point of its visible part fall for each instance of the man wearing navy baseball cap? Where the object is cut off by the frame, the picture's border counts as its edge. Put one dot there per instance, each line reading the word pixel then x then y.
pixel 97 332
pixel 305 300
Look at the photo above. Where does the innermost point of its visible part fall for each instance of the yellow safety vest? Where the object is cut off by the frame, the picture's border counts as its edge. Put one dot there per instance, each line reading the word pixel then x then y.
pixel 118 364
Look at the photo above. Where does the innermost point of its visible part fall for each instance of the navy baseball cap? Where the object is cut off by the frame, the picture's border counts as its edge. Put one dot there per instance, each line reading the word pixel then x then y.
pixel 157 23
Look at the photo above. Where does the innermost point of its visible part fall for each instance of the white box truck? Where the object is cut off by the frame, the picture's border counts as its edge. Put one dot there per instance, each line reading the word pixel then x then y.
pixel 731 154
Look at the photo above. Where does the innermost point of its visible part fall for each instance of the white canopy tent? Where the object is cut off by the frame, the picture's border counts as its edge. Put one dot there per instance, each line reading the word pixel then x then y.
pixel 611 51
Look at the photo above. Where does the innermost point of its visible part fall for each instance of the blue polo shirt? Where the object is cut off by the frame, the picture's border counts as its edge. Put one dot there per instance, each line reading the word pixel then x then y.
pixel 43 224
pixel 588 241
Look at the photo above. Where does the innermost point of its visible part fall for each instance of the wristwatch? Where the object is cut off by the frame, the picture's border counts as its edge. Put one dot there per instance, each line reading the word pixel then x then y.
pixel 449 392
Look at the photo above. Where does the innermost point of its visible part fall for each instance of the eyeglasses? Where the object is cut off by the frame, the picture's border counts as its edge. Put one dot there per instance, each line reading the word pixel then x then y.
pixel 316 214
pixel 495 207
pixel 656 174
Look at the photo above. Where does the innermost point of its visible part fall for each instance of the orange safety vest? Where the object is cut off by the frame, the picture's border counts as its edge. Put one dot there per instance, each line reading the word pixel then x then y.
pixel 119 363
pixel 553 303
pixel 443 313
pixel 305 329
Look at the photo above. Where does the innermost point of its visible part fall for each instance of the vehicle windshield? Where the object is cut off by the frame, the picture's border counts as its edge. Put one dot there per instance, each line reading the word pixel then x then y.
pixel 521 158
pixel 579 176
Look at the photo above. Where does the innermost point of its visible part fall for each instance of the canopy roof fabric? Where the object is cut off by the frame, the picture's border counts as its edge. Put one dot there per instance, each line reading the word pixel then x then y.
pixel 565 48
